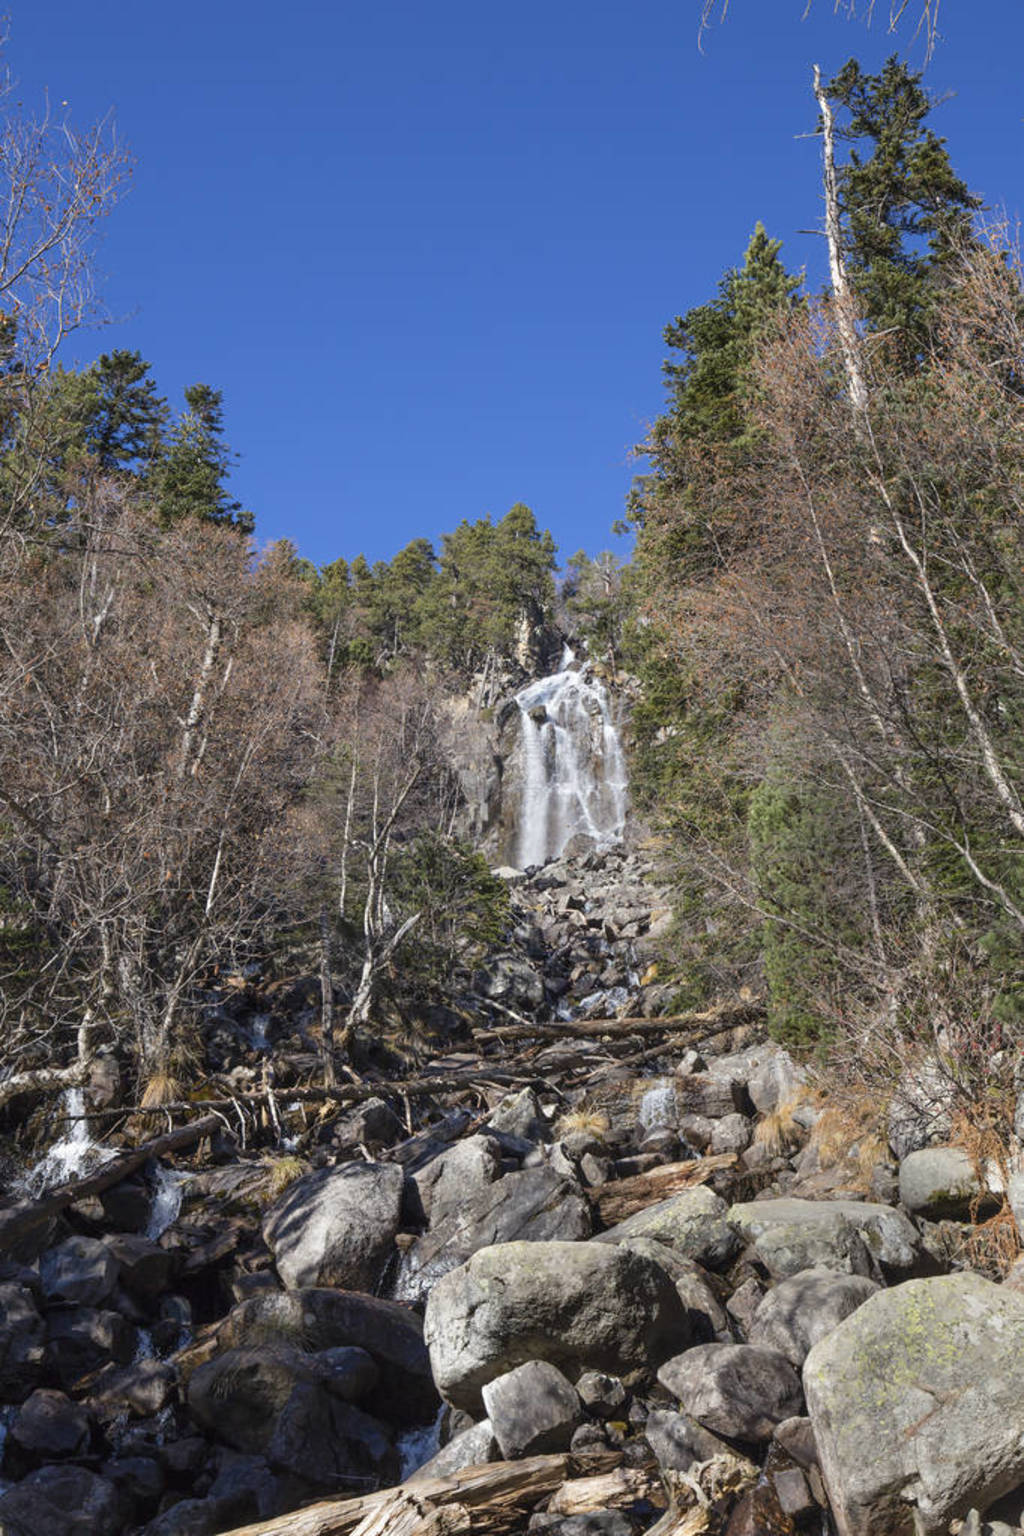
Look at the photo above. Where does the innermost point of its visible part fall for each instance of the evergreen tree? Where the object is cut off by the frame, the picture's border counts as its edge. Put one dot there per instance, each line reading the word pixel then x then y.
pixel 128 416
pixel 192 475
pixel 905 212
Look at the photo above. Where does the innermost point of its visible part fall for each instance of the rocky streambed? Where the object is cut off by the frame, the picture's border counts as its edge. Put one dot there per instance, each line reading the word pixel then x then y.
pixel 605 1303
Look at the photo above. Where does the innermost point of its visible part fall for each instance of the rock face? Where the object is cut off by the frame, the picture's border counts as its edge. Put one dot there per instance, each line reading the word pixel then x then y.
pixel 576 1305
pixel 337 1226
pixel 917 1404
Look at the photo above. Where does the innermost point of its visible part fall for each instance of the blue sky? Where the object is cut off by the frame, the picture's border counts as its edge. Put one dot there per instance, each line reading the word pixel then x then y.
pixel 427 252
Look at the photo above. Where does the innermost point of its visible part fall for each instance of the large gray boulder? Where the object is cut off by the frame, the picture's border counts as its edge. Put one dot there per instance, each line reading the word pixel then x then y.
pixel 472 1447
pixel 736 1390
pixel 848 1236
pixel 694 1224
pixel 678 1441
pixel 917 1404
pixel 533 1410
pixel 81 1270
pixel 533 1205
pixel 62 1501
pixel 795 1314
pixel 275 1402
pixel 320 1321
pixel 459 1173
pixel 577 1305
pixel 937 1182
pixel 337 1226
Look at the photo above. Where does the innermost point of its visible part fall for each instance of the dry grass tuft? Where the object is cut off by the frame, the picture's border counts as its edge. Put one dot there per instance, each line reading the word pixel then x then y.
pixel 992 1246
pixel 586 1120
pixel 161 1087
pixel 282 1172
pixel 779 1132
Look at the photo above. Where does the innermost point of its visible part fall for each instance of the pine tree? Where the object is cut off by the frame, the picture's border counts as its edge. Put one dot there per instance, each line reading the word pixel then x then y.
pixel 191 478
pixel 128 416
pixel 905 212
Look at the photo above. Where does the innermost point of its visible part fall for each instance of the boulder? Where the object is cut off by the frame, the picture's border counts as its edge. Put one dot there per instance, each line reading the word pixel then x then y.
pixel 81 1341
pixel 848 1236
pixel 678 1440
pixel 731 1134
pixel 337 1226
pixel 533 1205
pixel 460 1172
pixel 693 1224
pixel 62 1501
pixel 520 1115
pixel 805 1308
pixel 48 1427
pixel 347 1372
pixel 577 1305
pixel 533 1410
pixel 917 1405
pixel 81 1270
pixel 601 1394
pixel 472 1447
pixel 145 1269
pixel 939 1182
pixel 704 1093
pixel 736 1390
pixel 512 980
pixel 316 1320
pixel 22 1343
pixel 143 1388
pixel 273 1402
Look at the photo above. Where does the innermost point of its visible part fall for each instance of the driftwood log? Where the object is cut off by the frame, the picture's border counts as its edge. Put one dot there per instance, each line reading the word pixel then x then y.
pixel 495 1495
pixel 620 1198
pixel 17 1221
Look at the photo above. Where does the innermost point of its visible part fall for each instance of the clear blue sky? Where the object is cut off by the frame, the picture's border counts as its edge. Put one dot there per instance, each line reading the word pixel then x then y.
pixel 428 251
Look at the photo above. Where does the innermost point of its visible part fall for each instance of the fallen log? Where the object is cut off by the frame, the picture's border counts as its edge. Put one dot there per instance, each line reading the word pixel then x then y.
pixel 722 1017
pixel 620 1198
pixel 412 1516
pixel 500 1489
pixel 17 1221
pixel 617 1489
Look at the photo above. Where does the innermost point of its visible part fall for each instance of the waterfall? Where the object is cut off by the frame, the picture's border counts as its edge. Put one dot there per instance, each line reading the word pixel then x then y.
pixel 574 769
pixel 72 1156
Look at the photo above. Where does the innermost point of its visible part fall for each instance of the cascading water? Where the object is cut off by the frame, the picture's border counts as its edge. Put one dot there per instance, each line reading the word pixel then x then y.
pixel 74 1155
pixel 574 769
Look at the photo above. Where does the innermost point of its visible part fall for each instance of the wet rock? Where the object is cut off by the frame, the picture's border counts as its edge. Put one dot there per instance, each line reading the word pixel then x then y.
pixel 81 1270
pixel 794 1315
pixel 692 1224
pixel 735 1390
pixel 917 1404
pixel 577 1305
pixel 533 1410
pixel 337 1226
pixel 22 1343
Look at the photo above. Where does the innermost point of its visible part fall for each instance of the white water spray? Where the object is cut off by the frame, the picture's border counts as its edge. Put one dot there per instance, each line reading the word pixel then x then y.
pixel 574 769
pixel 73 1156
